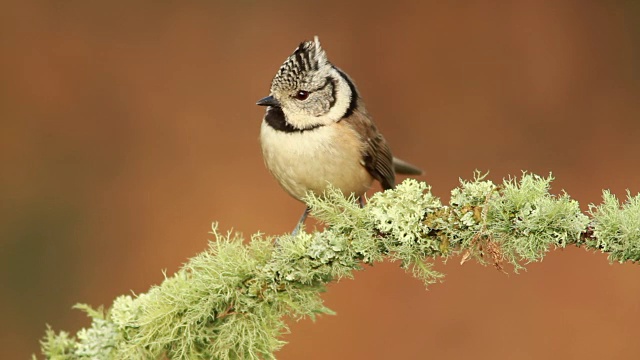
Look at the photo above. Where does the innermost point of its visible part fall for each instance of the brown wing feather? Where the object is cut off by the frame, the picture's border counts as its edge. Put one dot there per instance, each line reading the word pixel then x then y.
pixel 376 155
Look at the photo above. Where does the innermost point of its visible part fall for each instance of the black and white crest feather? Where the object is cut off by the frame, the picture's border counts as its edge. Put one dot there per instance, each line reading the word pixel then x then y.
pixel 307 57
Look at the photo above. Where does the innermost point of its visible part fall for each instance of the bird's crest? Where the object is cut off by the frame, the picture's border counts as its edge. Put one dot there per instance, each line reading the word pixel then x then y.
pixel 308 56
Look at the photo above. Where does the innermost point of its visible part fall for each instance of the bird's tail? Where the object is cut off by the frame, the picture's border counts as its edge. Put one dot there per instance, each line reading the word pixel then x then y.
pixel 404 168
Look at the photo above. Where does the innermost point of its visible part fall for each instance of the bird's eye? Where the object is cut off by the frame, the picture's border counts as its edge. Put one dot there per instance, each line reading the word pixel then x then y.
pixel 302 95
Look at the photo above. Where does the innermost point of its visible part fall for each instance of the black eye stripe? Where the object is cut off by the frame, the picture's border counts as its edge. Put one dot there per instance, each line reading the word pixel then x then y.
pixel 334 90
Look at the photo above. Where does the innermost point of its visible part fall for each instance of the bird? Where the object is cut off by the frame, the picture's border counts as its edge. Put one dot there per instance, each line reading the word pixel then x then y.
pixel 316 131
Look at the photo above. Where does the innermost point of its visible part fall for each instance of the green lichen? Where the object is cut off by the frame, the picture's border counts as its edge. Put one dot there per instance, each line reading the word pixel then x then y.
pixel 616 228
pixel 230 301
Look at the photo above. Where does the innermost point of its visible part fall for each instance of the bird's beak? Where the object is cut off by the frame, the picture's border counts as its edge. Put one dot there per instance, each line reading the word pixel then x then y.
pixel 268 101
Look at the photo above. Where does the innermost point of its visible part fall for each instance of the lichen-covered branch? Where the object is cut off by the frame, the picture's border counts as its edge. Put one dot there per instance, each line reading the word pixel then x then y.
pixel 229 302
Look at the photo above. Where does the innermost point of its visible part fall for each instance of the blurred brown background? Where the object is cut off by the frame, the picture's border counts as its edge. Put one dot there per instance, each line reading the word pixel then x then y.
pixel 127 129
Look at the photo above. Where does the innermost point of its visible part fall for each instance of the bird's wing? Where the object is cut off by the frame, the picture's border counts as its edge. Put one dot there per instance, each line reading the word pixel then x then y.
pixel 376 155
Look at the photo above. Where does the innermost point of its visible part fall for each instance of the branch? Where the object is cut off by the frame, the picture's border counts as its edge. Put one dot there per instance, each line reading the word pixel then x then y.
pixel 229 302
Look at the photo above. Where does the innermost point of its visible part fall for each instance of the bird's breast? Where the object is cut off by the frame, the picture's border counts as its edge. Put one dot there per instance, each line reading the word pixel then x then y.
pixel 312 159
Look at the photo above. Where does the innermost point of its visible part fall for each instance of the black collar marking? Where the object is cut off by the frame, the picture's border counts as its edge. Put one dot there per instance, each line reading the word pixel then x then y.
pixel 276 119
pixel 353 103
